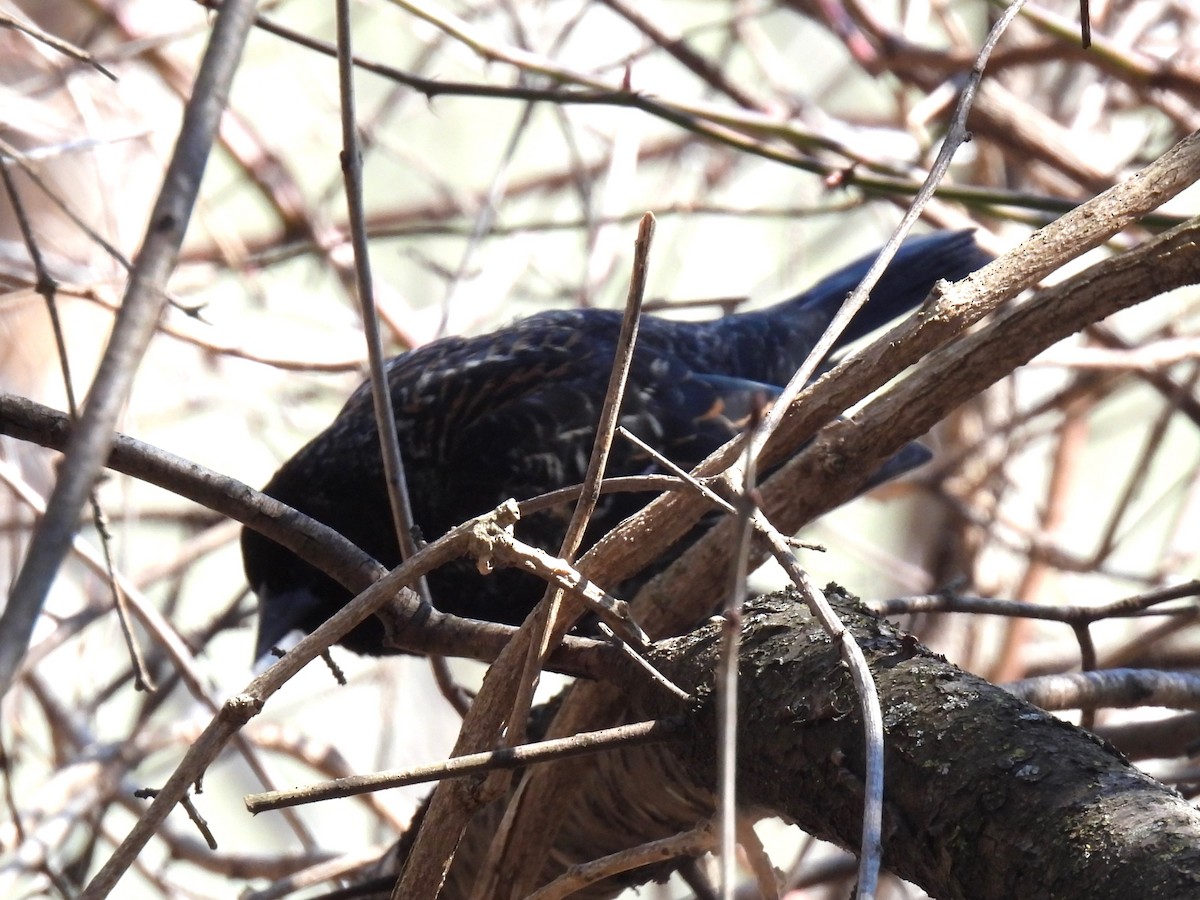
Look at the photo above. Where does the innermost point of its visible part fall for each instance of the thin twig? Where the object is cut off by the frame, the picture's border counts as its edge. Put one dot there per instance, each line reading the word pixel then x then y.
pixel 644 664
pixel 550 621
pixel 381 395
pixel 696 842
pixel 871 852
pixel 582 744
pixel 858 297
pixel 53 41
pixel 636 484
pixel 132 331
pixel 1125 688
pixel 1129 607
pixel 47 287
pixel 614 396
pixel 682 476
pixel 728 668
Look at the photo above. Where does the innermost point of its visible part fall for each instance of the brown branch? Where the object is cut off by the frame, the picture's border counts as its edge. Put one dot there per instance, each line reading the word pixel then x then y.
pixel 472 764
pixel 834 466
pixel 438 632
pixel 1046 798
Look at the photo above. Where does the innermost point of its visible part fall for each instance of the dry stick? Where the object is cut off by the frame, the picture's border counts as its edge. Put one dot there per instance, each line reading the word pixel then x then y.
pixel 872 843
pixel 956 135
pixel 452 803
pixel 727 673
pixel 144 299
pixel 758 859
pixel 614 395
pixel 1122 688
pixel 190 808
pixel 635 734
pixel 684 479
pixel 1077 617
pixel 381 395
pixel 554 625
pixel 871 851
pixel 621 484
pixel 53 41
pixel 550 620
pixel 1136 606
pixel 291 880
pixel 493 870
pixel 1019 331
pixel 475 538
pixel 48 288
pixel 628 652
pixel 694 843
pixel 562 576
pixel 682 476
pixel 601 445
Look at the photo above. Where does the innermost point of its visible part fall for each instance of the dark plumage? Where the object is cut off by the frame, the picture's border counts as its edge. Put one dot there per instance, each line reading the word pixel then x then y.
pixel 512 414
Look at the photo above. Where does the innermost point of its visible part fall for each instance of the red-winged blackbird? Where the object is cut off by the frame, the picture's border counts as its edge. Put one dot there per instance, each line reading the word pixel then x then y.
pixel 513 414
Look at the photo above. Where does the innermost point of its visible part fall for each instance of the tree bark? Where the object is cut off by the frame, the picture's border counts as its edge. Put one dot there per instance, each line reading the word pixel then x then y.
pixel 986 796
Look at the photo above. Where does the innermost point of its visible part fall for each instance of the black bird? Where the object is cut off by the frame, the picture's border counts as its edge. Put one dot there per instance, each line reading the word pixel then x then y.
pixel 513 414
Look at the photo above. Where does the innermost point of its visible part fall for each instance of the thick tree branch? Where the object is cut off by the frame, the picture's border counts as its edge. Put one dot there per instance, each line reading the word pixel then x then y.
pixel 969 767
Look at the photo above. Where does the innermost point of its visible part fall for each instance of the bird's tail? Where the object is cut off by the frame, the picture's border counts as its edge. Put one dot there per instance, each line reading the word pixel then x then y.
pixel 768 345
pixel 917 266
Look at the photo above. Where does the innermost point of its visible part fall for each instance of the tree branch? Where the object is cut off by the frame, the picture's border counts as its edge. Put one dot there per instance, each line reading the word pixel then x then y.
pixel 970 766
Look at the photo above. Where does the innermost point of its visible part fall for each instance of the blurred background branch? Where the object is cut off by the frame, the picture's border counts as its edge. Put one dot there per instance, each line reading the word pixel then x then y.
pixel 508 150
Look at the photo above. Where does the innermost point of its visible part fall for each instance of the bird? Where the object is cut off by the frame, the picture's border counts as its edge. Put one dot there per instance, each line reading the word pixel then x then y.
pixel 513 414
